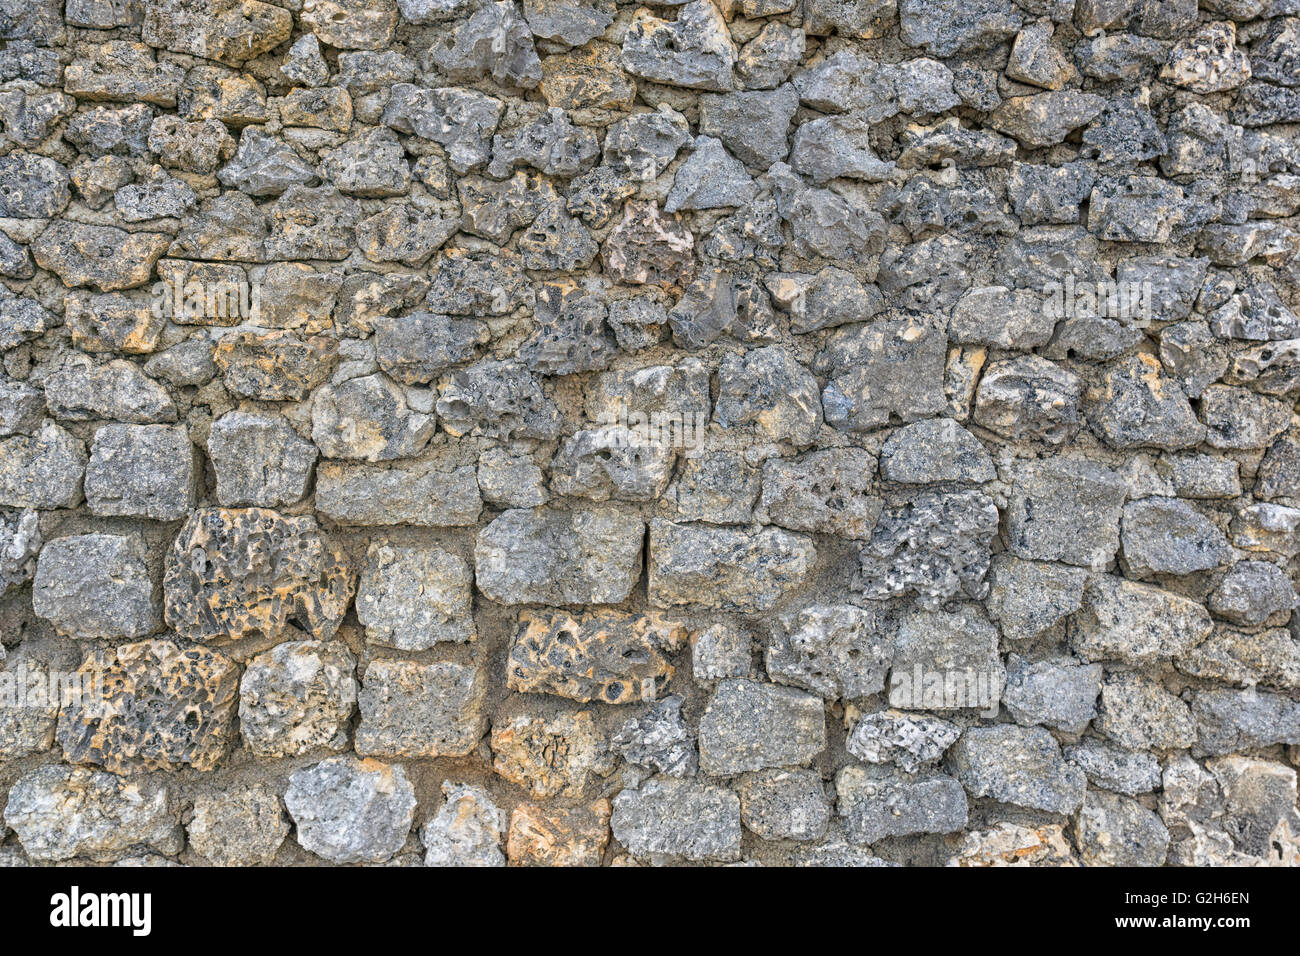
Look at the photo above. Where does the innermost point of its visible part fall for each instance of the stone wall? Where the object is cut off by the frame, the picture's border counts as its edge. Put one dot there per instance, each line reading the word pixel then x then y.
pixel 789 431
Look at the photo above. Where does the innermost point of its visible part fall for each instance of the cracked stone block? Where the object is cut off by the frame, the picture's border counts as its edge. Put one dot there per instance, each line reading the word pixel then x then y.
pixel 348 810
pixel 63 812
pixel 749 726
pixel 607 656
pixel 96 586
pixel 143 471
pixel 251 573
pixel 420 710
pixel 156 706
pixel 298 697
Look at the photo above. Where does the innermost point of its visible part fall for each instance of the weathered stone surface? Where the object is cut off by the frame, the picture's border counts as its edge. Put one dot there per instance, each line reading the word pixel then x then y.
pixel 44 470
pixel 835 650
pixel 298 697
pixel 548 556
pixel 1019 766
pixel 157 706
pixel 1065 509
pixel 251 573
pixel 876 804
pixel 420 710
pixel 882 369
pixel 1137 713
pixel 908 741
pixel 823 491
pixel 605 656
pixel 435 491
pixel 259 460
pixel 103 257
pixel 726 569
pixel 1118 831
pixel 1114 768
pixel 1059 693
pixel 62 812
pixel 678 819
pixel 658 740
pixel 749 726
pixel 935 546
pixel 145 471
pixel 242 826
pixel 549 757
pixel 1029 399
pixel 466 830
pixel 95 586
pixel 351 811
pixel 694 51
pixel 1135 622
pixel 558 836
pixel 1010 844
pixel 414 598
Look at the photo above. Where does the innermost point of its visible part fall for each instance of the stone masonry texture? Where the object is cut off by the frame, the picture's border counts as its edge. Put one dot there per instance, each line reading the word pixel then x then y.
pixel 573 432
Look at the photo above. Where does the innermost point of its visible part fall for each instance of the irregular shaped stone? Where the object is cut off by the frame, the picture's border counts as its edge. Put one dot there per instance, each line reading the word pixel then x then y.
pixel 835 650
pixel 351 811
pixel 259 460
pixel 466 830
pixel 889 367
pixel 769 389
pixel 644 144
pixel 909 741
pixel 275 366
pixel 62 812
pixel 1017 765
pixel 936 547
pixel 156 706
pixel 1114 768
pixel 549 757
pixel 436 491
pixel 1233 720
pixel 658 740
pixel 44 470
pixel 824 491
pixel 943 30
pixel 499 400
pixel 547 556
pixel 1009 844
pixel 784 804
pixel 1065 509
pixel 351 24
pixel 264 165
pixel 460 120
pixel 1139 714
pixel 298 697
pixel 1118 831
pixel 1029 398
pixel 725 569
pixel 239 826
pixel 368 419
pixel 647 248
pixel 711 178
pixel 1208 61
pixel 418 710
pixel 103 257
pixel 1059 693
pixel 602 655
pixel 1169 536
pixel 1236 418
pixel 250 573
pixel 1045 119
pixel 495 40
pixel 1135 622
pixel 414 598
pixel 1028 597
pixel 934 450
pixel 95 587
pixel 694 51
